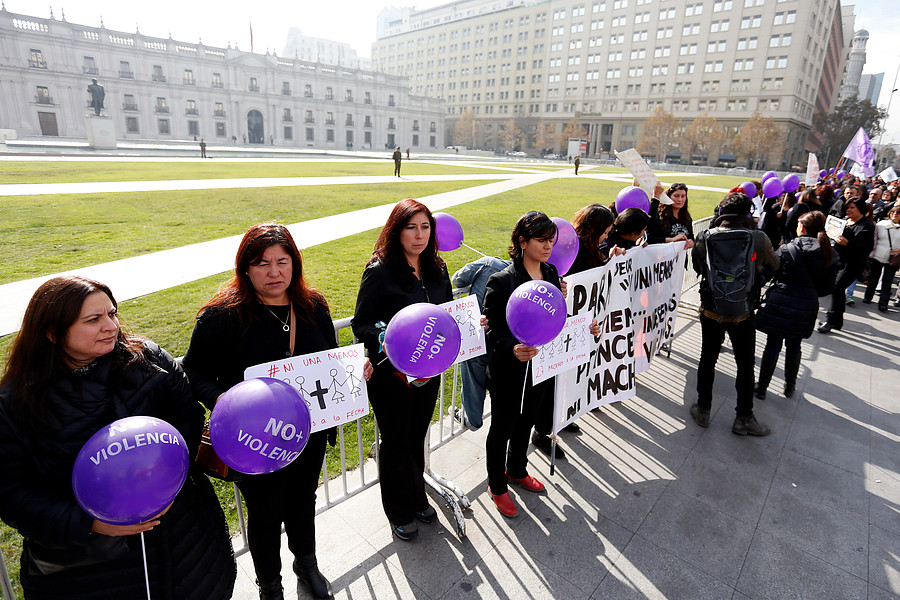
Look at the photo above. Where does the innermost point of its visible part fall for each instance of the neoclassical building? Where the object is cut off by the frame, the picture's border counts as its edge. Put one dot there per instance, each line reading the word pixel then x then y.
pixel 163 89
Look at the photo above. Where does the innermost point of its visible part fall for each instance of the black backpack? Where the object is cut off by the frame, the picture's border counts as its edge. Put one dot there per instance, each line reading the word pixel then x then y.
pixel 730 270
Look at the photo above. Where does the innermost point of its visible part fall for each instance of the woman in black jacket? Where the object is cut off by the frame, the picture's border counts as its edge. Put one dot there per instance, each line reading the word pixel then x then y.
pixel 72 371
pixel 627 231
pixel 592 224
pixel 267 312
pixel 404 269
pixel 789 309
pixel 671 222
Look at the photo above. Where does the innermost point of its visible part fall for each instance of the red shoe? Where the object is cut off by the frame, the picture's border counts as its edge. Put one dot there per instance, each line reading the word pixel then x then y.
pixel 504 504
pixel 528 482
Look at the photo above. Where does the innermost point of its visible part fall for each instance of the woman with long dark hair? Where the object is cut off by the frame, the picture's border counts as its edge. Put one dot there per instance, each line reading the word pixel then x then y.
pixel 404 269
pixel 627 231
pixel 268 312
pixel 72 371
pixel 592 224
pixel 805 203
pixel 672 222
pixel 789 309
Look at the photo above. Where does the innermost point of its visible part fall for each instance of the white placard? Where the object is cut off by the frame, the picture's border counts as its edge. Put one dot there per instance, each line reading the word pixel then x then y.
pixel 568 350
pixel 888 175
pixel 834 227
pixel 812 170
pixel 467 314
pixel 638 167
pixel 331 381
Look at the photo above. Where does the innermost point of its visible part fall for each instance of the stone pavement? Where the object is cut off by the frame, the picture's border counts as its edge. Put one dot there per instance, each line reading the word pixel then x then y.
pixel 649 505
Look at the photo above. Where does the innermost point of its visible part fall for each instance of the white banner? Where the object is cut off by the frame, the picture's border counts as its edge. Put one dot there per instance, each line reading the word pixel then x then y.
pixel 635 299
pixel 633 161
pixel 812 170
pixel 888 175
pixel 467 314
pixel 331 381
pixel 568 350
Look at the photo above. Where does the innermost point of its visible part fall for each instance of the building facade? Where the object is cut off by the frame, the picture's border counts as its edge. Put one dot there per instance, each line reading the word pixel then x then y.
pixel 162 89
pixel 855 63
pixel 870 87
pixel 330 52
pixel 609 64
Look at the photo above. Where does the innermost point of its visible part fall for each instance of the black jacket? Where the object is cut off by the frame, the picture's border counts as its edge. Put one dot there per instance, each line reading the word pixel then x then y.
pixel 189 554
pixel 791 303
pixel 861 241
pixel 657 232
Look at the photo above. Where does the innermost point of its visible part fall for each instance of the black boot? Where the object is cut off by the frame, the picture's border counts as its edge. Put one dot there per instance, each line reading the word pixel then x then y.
pixel 271 590
pixel 766 368
pixel 308 574
pixel 791 368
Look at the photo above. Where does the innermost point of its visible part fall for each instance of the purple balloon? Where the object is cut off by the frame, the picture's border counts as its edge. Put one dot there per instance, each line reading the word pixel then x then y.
pixel 790 183
pixel 632 197
pixel 260 425
pixel 448 232
pixel 841 174
pixel 768 175
pixel 130 470
pixel 422 340
pixel 565 249
pixel 823 174
pixel 831 171
pixel 772 187
pixel 749 189
pixel 536 312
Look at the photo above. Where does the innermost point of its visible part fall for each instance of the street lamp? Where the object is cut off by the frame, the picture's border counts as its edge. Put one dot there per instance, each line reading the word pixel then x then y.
pixel 887 114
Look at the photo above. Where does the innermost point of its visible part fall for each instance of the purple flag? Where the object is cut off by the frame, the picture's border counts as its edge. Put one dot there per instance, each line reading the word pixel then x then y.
pixel 861 152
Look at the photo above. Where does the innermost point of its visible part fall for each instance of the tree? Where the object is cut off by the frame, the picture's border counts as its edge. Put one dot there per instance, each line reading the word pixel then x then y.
pixel 546 137
pixel 839 126
pixel 572 130
pixel 702 135
pixel 758 138
pixel 510 135
pixel 464 132
pixel 658 133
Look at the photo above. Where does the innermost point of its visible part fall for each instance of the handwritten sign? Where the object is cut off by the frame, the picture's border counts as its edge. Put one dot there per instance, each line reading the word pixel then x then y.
pixel 331 381
pixel 812 170
pixel 888 175
pixel 568 350
pixel 638 167
pixel 467 314
pixel 834 227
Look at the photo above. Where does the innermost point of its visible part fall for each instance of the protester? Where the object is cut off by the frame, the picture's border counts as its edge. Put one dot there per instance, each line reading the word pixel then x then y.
pixel 734 213
pixel 72 371
pixel 267 312
pixel 474 371
pixel 628 231
pixel 592 224
pixel 806 203
pixel 671 222
pixel 887 246
pixel 853 249
pixel 404 269
pixel 788 312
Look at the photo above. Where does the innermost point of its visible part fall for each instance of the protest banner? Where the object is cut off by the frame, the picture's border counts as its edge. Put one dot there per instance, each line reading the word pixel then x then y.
pixel 634 298
pixel 812 170
pixel 888 175
pixel 467 314
pixel 569 349
pixel 331 381
pixel 834 227
pixel 633 161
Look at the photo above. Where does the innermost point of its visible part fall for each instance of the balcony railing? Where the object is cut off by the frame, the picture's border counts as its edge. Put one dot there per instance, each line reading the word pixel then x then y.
pixel 131 106
pixel 217 84
pixel 309 120
pixel 162 110
pixel 391 126
pixel 43 99
pixel 367 101
pixel 349 124
pixel 367 124
pixel 159 78
pixel 415 127
pixel 253 88
pixel 219 113
pixel 348 99
pixel 392 103
pixel 285 92
pixel 307 94
pixel 90 70
pixel 192 111
pixel 329 121
pixel 36 64
pixel 329 96
pixel 288 119
pixel 432 129
pixel 188 81
pixel 126 74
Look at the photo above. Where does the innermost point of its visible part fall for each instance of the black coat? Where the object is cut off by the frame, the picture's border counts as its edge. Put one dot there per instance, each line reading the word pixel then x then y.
pixel 189 554
pixel 791 303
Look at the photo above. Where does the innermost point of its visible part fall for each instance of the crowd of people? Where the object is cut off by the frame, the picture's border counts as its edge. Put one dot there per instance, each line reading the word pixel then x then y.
pixel 72 370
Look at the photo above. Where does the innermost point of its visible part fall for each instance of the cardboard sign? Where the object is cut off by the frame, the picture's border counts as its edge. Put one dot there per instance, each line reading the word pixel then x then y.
pixel 467 314
pixel 569 349
pixel 638 167
pixel 812 170
pixel 834 227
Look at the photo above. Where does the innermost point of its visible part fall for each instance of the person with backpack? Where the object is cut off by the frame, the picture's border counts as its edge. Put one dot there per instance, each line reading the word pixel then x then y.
pixel 788 312
pixel 732 259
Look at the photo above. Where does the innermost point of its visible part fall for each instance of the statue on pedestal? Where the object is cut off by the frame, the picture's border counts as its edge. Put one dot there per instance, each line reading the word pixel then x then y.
pixel 97 94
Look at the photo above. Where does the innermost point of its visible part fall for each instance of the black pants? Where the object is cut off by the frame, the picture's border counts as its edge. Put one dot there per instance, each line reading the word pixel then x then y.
pixel 286 496
pixel 845 276
pixel 743 342
pixel 397 168
pixel 886 273
pixel 403 414
pixel 507 441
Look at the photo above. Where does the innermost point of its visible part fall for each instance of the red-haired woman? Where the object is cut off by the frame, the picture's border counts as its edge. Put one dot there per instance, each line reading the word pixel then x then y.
pixel 267 312
pixel 71 371
pixel 404 269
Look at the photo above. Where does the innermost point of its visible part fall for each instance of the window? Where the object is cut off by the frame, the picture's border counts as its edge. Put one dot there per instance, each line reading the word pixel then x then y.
pixel 43 95
pixel 89 68
pixel 191 108
pixel 747 43
pixel 254 85
pixel 193 127
pixel 348 120
pixel 125 71
pixel 128 102
pixel 391 101
pixel 329 135
pixel 782 18
pixel 287 116
pixel 367 99
pixel 220 129
pixel 717 26
pixel 163 126
pixel 188 77
pixel 329 118
pixel 710 86
pixel 288 133
pixel 693 9
pixel 662 51
pixel 219 110
pixel 36 59
pixel 690 30
pixel 217 80
pixel 685 68
pixel 720 5
pixel 310 136
pixel 285 88
pixel 161 106
pixel 752 22
pixel 131 125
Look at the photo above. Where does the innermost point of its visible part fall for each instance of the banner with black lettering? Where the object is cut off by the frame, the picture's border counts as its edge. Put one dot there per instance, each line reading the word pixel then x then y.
pixel 635 299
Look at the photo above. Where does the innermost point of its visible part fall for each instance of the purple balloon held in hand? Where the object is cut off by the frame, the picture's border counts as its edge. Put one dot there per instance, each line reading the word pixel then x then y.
pixel 823 174
pixel 130 470
pixel 536 312
pixel 565 249
pixel 772 188
pixel 790 183
pixel 260 425
pixel 632 197
pixel 768 175
pixel 448 232
pixel 749 189
pixel 422 340
pixel 841 174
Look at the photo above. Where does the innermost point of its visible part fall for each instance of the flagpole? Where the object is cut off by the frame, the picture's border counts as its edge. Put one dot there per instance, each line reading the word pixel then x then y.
pixel 887 112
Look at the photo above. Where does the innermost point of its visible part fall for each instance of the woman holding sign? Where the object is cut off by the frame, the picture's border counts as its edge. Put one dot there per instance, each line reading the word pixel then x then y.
pixel 71 372
pixel 265 313
pixel 404 269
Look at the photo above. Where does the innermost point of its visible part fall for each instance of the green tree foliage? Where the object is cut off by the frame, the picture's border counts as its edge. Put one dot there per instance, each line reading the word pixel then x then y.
pixel 839 126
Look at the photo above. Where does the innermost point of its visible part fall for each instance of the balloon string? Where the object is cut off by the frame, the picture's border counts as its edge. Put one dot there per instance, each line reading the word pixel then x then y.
pixel 146 575
pixel 474 250
pixel 524 384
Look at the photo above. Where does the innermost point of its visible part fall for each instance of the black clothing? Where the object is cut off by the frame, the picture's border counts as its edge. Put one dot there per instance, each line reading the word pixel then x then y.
pixel 793 217
pixel 403 411
pixel 188 554
pixel 771 225
pixel 507 440
pixel 851 263
pixel 614 239
pixel 585 261
pixel 222 347
pixel 398 157
pixel 657 231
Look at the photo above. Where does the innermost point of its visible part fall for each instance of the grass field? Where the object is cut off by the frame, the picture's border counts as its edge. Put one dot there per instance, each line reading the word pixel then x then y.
pixel 47 234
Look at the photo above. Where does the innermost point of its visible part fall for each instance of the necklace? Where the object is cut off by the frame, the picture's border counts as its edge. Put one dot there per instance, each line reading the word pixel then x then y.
pixel 285 325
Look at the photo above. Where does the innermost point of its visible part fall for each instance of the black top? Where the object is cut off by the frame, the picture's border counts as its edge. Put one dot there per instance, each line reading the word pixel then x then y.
pixel 861 239
pixel 657 231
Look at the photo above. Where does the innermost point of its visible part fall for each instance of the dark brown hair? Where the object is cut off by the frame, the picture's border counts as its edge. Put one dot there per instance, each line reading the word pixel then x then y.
pixel 389 249
pixel 239 294
pixel 590 223
pixel 814 224
pixel 531 225
pixel 667 213
pixel 809 198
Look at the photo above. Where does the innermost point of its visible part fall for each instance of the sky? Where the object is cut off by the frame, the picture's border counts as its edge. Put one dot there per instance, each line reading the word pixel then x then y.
pixel 228 21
